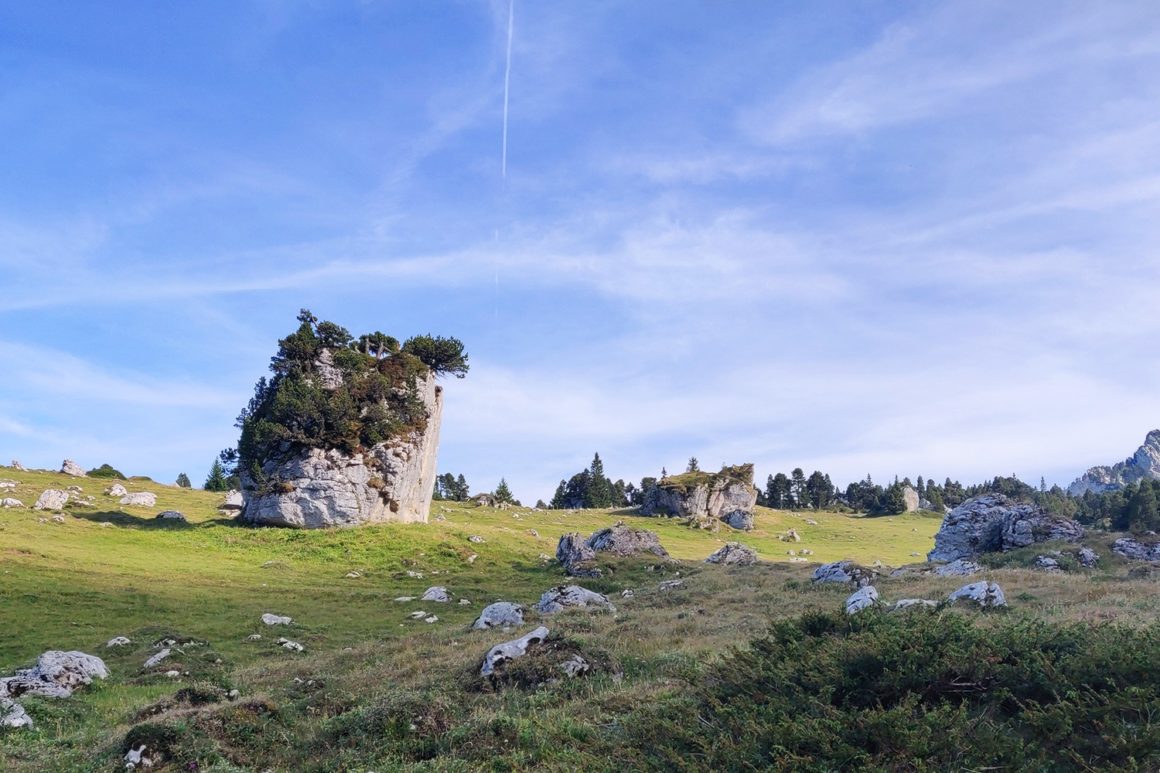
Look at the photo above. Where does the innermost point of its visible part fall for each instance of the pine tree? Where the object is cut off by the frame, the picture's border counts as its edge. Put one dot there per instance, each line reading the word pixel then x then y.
pixel 503 493
pixel 559 499
pixel 797 487
pixel 216 481
pixel 183 480
pixel 1144 509
pixel 462 491
pixel 693 466
pixel 599 487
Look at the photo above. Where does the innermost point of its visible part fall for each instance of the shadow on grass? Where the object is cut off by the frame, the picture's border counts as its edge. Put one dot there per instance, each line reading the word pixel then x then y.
pixel 125 520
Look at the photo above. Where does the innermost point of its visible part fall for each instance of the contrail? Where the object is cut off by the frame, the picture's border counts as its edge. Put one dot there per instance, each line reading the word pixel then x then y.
pixel 507 78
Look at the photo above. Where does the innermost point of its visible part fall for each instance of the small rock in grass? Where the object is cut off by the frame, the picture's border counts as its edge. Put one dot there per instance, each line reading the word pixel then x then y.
pixel 293 646
pixel 431 619
pixel 476 539
pixel 499 615
pixel 254 637
pixel 863 598
pixel 270 619
pixel 418 614
pixel 170 515
pixel 670 584
pixel 414 575
pixel 436 593
pixel 404 598
pixel 986 594
pixel 160 656
pixel 58 519
pixel 353 575
pixel 173 674
pixel 118 641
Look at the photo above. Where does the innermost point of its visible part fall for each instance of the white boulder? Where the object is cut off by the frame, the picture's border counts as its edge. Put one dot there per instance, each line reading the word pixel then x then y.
pixel 270 619
pixel 863 598
pixel 69 467
pixel 986 594
pixel 435 593
pixel 562 596
pixel 139 499
pixel 501 614
pixel 116 490
pixel 516 648
pixel 51 499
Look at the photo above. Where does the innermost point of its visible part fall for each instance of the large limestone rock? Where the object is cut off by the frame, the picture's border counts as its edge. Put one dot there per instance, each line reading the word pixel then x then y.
pixel 501 614
pixel 993 523
pixel 69 467
pixel 986 594
pixel 139 499
pixel 1142 465
pixel 234 501
pixel 863 598
pixel 733 553
pixel 911 498
pixel 577 555
pixel 707 499
pixel 51 499
pixel 317 488
pixel 844 572
pixel 1135 549
pixel 116 490
pixel 56 675
pixel 563 596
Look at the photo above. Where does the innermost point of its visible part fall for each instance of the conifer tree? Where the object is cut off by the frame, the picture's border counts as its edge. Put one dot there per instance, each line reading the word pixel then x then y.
pixel 216 480
pixel 693 466
pixel 183 480
pixel 503 493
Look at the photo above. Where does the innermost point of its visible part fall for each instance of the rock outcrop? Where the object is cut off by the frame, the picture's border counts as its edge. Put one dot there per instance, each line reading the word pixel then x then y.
pixel 502 653
pixel 578 555
pixel 1142 465
pixel 733 553
pixel 844 572
pixel 863 598
pixel 986 594
pixel 501 614
pixel 69 467
pixel 139 499
pixel 56 674
pixel 707 499
pixel 51 499
pixel 318 488
pixel 995 523
pixel 1129 547
pixel 911 498
pixel 563 596
pixel 116 490
pixel 234 501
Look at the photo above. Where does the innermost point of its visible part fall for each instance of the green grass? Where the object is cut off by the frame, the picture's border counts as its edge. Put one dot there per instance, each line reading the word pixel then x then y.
pixel 370 672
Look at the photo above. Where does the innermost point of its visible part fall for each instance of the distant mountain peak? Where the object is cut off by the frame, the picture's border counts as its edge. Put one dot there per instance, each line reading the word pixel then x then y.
pixel 1144 464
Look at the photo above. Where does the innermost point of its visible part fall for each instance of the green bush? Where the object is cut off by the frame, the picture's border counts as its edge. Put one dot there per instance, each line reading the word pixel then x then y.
pixel 106 471
pixel 919 691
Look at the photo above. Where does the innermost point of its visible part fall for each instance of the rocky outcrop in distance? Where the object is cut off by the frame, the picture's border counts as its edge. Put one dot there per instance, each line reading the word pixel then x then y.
pixel 1142 465
pixel 578 555
pixel 993 522
pixel 706 499
pixel 317 488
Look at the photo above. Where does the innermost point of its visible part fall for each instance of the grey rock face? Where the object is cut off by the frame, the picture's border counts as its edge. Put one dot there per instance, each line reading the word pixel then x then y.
pixel 139 499
pixel 1087 557
pixel 960 567
pixel 501 614
pixel 436 593
pixel 51 499
pixel 116 490
pixel 1142 465
pixel 577 554
pixel 985 594
pixel 1134 549
pixel 56 675
pixel 69 467
pixel 516 648
pixel 562 596
pixel 863 598
pixel 910 497
pixel 726 496
pixel 843 572
pixel 234 501
pixel 320 488
pixel 733 553
pixel 993 522
pixel 170 515
pixel 1047 564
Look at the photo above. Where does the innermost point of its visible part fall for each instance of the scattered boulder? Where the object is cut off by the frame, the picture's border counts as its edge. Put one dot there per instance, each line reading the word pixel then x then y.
pixel 994 522
pixel 270 619
pixel 960 567
pixel 10 502
pixel 16 465
pixel 501 614
pixel 234 501
pixel 116 490
pixel 135 758
pixel 69 467
pixel 1087 557
pixel 435 593
pixel 139 499
pixel 118 641
pixel 502 653
pixel 863 598
pixel 476 539
pixel 733 553
pixel 12 714
pixel 56 674
pixel 985 594
pixel 577 554
pixel 7 484
pixel 1129 547
pixel 671 585
pixel 58 518
pixel 706 499
pixel 914 603
pixel 293 646
pixel 574 666
pixel 160 656
pixel 911 499
pixel 51 499
pixel 844 572
pixel 170 515
pixel 562 596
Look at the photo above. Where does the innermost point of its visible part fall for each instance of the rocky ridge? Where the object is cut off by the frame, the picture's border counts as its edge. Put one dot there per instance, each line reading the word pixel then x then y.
pixel 1142 465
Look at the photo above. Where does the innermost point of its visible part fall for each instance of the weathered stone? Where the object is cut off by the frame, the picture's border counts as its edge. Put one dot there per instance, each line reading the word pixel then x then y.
pixel 1047 564
pixel 577 554
pixel 911 499
pixel 574 666
pixel 435 593
pixel 118 641
pixel 863 598
pixel 516 648
pixel 16 465
pixel 1142 465
pixel 272 619
pixel 844 572
pixel 12 714
pixel 293 646
pixel 139 499
pixel 10 502
pixel 501 614
pixel 733 553
pixel 51 499
pixel 960 567
pixel 671 585
pixel 706 499
pixel 1087 557
pixel 160 656
pixel 914 603
pixel 170 515
pixel 234 501
pixel 69 467
pixel 1135 549
pixel 562 596
pixel 116 490
pixel 993 522
pixel 56 675
pixel 318 488
pixel 985 594
pixel 476 539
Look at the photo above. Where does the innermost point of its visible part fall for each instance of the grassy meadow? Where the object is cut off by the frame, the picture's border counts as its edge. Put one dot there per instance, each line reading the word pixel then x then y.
pixel 379 690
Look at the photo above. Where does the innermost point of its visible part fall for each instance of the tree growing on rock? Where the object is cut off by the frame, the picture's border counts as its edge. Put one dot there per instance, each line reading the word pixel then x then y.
pixel 183 480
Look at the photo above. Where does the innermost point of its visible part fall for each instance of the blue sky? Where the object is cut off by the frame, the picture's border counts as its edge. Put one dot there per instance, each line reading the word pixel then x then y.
pixel 862 237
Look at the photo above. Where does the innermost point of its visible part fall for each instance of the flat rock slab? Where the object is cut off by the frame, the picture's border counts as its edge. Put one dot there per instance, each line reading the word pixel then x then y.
pixel 563 596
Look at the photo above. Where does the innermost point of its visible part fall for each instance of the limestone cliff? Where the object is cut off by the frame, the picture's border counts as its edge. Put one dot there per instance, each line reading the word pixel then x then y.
pixel 707 498
pixel 315 488
pixel 1142 465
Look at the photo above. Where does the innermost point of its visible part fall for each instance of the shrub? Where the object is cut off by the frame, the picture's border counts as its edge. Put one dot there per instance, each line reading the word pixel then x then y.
pixel 919 691
pixel 106 471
